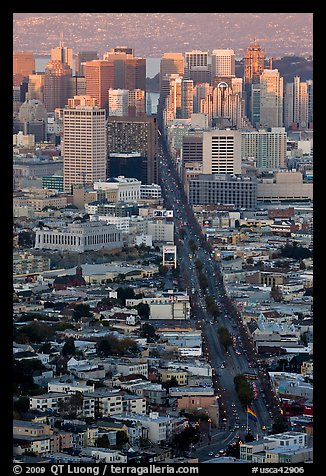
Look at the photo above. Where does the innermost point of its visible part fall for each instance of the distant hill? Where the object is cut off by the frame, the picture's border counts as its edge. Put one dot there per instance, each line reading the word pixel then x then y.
pixel 152 34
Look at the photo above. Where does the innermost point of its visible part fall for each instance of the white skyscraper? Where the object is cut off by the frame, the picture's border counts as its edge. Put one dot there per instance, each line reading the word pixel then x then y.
pixel 223 63
pixel 118 102
pixel 222 152
pixel 84 145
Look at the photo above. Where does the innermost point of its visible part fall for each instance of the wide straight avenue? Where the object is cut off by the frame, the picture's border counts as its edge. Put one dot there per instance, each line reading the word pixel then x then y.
pixel 238 359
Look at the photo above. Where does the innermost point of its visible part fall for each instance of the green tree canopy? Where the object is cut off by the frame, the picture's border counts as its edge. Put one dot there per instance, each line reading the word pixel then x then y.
pixel 81 310
pixel 69 347
pixel 224 337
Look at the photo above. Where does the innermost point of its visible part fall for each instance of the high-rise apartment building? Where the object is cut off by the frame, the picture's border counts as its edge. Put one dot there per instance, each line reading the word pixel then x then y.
pixel 23 63
pixel 223 63
pixel 81 58
pixel 63 54
pixel 84 143
pixel 271 98
pixel 222 152
pixel 266 147
pixel 99 79
pixel 56 84
pixel 135 134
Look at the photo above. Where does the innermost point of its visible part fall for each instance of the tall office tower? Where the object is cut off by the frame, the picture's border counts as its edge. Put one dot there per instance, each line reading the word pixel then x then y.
pixel 267 147
pixel 271 98
pixel 81 58
pixel 136 102
pixel 171 63
pixel 310 92
pixel 254 107
pixel 222 152
pixel 23 63
pixel 187 98
pixel 99 79
pixel 56 84
pixel 179 103
pixel 129 71
pixel 63 54
pixel 221 95
pixel 36 87
pixel 296 104
pixel 84 144
pixel 135 73
pixel 135 134
pixel 118 102
pixel 253 63
pixel 223 63
pixel 174 103
pixel 77 86
pixel 197 66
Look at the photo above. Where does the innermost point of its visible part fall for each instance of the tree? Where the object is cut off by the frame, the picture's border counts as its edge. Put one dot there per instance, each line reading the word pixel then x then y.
pixel 76 404
pixel 124 293
pixel 121 438
pixel 203 281
pixel 302 265
pixel 37 332
pixel 250 260
pixel 295 251
pixel 103 442
pixel 162 269
pixel 198 265
pixel 148 331
pixel 280 424
pixel 21 405
pixel 276 293
pixel 249 437
pixel 224 337
pixel 243 389
pixel 172 382
pixel 143 310
pixel 81 310
pixel 193 245
pixel 183 440
pixel 23 375
pixel 69 347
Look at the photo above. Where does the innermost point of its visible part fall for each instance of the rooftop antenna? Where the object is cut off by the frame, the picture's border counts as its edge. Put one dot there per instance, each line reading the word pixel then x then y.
pixel 61 39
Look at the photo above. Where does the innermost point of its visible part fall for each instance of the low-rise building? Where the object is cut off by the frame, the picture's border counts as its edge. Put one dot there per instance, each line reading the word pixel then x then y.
pixel 92 235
